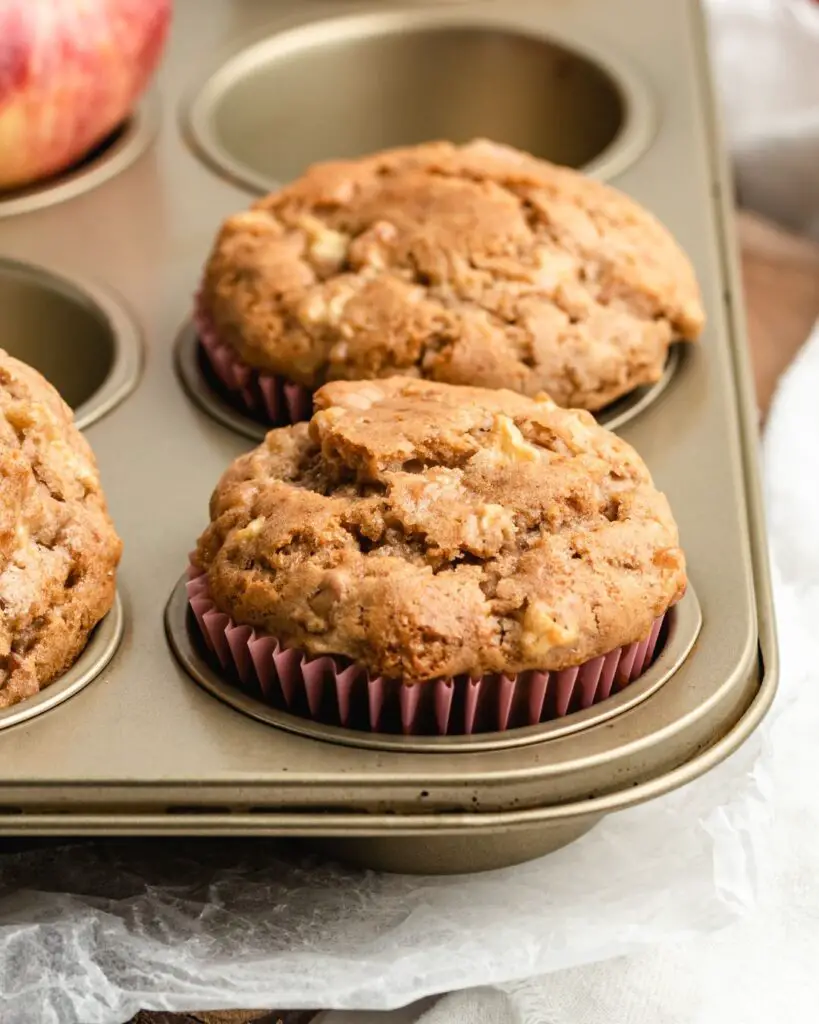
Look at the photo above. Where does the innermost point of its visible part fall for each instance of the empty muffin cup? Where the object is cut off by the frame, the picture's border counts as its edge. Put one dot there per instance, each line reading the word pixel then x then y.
pixel 75 334
pixel 558 98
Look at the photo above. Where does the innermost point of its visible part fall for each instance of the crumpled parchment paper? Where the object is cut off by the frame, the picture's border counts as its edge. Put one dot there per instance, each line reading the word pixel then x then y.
pixel 90 933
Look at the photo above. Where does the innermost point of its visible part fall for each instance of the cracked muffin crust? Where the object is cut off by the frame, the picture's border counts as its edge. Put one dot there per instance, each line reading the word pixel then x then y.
pixel 58 548
pixel 425 531
pixel 475 265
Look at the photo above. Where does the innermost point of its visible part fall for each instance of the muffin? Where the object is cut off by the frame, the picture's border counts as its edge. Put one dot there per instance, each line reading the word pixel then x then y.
pixel 427 557
pixel 58 548
pixel 475 265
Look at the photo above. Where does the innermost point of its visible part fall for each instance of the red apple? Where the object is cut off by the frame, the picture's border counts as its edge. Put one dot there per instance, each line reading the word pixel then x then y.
pixel 70 72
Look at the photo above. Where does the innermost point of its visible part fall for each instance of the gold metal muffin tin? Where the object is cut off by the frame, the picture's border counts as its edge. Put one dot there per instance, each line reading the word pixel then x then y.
pixel 620 86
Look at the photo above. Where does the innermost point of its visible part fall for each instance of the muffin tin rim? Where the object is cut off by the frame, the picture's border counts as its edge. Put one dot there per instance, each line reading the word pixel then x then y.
pixel 127 343
pixel 630 142
pixel 684 624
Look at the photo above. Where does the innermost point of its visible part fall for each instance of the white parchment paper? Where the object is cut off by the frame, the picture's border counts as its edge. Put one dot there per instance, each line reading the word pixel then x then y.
pixel 92 933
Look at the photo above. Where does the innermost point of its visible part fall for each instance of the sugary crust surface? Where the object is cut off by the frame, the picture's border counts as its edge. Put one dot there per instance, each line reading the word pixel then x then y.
pixel 58 548
pixel 425 531
pixel 474 265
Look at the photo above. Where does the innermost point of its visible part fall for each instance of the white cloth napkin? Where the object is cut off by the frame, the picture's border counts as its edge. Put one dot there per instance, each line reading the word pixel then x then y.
pixel 766 55
pixel 763 969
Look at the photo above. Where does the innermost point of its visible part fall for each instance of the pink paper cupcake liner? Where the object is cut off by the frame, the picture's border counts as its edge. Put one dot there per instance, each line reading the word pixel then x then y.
pixel 266 397
pixel 335 691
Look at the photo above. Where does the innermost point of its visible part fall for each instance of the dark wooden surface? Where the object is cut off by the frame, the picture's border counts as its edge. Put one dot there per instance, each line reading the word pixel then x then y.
pixel 781 277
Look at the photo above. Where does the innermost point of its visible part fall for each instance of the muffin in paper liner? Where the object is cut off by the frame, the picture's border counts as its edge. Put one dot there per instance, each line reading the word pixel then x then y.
pixel 268 398
pixel 431 260
pixel 271 399
pixel 335 691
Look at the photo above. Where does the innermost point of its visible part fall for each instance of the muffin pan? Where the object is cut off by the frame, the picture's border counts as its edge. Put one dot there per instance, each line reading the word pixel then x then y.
pixel 152 752
pixel 112 156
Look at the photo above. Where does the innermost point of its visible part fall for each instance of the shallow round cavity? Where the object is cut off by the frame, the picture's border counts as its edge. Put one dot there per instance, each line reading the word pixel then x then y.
pixel 211 396
pixel 99 650
pixel 683 624
pixel 110 157
pixel 350 86
pixel 75 334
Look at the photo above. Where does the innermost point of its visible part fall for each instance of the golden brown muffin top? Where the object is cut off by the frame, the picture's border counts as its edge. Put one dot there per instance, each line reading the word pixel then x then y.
pixel 475 265
pixel 425 530
pixel 58 548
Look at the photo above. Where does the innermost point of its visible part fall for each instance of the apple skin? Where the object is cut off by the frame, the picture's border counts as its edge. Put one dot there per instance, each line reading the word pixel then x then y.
pixel 70 72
